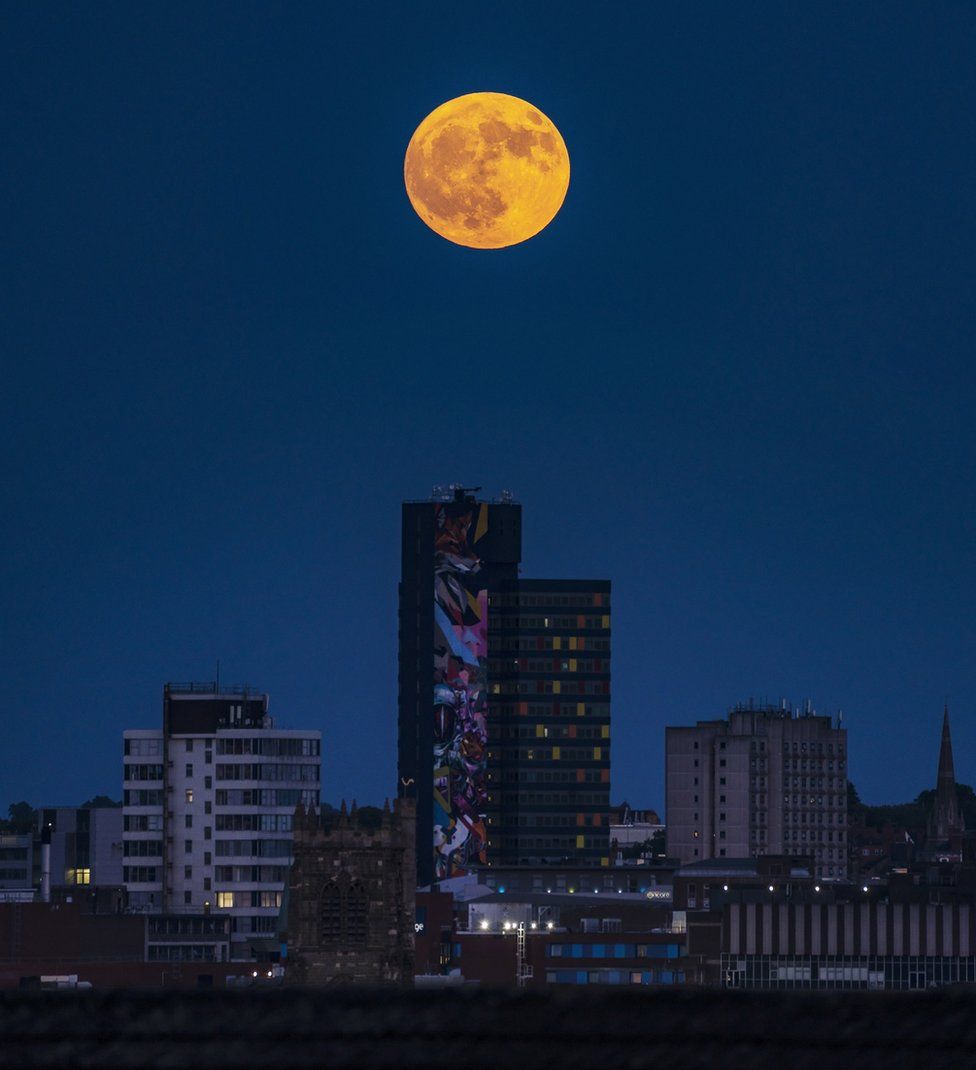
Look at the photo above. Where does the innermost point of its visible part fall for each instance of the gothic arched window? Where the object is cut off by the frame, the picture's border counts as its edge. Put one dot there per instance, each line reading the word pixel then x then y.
pixel 344 913
pixel 357 915
pixel 330 914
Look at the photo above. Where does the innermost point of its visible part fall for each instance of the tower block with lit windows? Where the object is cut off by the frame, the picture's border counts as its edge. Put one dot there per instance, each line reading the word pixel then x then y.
pixel 767 781
pixel 207 809
pixel 504 695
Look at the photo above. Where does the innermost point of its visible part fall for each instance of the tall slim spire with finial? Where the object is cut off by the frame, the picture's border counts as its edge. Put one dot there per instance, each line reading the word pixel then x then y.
pixel 948 820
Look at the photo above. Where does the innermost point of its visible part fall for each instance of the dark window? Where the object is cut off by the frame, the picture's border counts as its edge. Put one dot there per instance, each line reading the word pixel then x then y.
pixel 344 914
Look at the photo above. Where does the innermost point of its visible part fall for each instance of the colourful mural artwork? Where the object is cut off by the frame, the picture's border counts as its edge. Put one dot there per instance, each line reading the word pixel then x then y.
pixel 460 690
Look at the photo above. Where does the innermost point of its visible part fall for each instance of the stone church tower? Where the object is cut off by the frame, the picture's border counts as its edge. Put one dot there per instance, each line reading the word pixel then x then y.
pixel 349 916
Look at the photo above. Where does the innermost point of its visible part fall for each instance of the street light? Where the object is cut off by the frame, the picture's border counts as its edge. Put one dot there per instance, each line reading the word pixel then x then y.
pixel 484 923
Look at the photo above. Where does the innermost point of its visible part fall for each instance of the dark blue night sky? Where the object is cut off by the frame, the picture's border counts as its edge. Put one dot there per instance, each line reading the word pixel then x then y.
pixel 735 375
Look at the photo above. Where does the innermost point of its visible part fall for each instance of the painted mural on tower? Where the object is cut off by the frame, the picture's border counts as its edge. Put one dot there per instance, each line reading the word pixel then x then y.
pixel 460 689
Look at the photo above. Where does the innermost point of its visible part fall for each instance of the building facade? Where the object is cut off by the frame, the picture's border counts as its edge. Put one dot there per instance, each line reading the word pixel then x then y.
pixel 351 909
pixel 16 865
pixel 870 944
pixel 86 844
pixel 504 695
pixel 207 810
pixel 765 781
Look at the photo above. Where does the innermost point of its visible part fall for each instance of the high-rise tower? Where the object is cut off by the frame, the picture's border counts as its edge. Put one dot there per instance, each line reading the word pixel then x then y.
pixel 504 694
pixel 208 803
pixel 762 782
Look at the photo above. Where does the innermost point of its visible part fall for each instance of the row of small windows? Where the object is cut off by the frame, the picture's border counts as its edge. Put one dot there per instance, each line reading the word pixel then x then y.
pixel 613 951
pixel 563 624
pixel 254 822
pixel 270 748
pixel 557 731
pixel 142 848
pixel 142 823
pixel 559 820
pixel 186 926
pixel 253 848
pixel 550 687
pixel 817 834
pixel 803 817
pixel 614 977
pixel 142 797
pixel 507 800
pixel 544 599
pixel 250 874
pixel 142 772
pixel 796 747
pixel 573 708
pixel 554 642
pixel 248 923
pixel 567 843
pixel 143 748
pixel 182 953
pixel 258 771
pixel 834 783
pixel 554 776
pixel 231 900
pixel 556 754
pixel 266 797
pixel 547 665
pixel 139 874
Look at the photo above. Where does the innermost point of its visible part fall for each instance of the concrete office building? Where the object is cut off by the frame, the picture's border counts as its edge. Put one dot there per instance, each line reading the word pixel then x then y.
pixel 504 695
pixel 16 863
pixel 86 844
pixel 208 808
pixel 765 781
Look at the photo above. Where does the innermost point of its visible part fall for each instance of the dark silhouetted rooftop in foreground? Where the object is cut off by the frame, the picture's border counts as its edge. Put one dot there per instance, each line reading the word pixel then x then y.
pixel 367 1028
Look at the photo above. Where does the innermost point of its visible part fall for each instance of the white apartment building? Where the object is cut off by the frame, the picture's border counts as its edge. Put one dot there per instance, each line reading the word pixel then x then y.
pixel 207 810
pixel 766 781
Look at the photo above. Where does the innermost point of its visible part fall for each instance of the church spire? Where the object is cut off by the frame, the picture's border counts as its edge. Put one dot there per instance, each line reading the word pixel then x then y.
pixel 947 817
pixel 947 773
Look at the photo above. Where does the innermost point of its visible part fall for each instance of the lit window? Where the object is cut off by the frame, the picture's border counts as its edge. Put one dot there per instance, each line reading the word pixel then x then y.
pixel 83 876
pixel 189 795
pixel 225 899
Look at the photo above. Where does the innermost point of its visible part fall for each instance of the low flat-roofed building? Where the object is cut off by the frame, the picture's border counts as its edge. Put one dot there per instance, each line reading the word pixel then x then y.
pixel 16 863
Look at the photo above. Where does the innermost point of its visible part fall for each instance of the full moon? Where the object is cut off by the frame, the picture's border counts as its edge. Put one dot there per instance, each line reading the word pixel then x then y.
pixel 486 170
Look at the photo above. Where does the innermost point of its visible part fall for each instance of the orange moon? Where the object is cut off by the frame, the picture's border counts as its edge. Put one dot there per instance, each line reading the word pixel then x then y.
pixel 486 170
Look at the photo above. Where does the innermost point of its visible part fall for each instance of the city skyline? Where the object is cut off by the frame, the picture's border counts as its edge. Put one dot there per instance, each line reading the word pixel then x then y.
pixel 733 375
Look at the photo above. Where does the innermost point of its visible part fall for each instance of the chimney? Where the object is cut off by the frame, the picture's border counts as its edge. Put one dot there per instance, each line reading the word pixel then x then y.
pixel 46 863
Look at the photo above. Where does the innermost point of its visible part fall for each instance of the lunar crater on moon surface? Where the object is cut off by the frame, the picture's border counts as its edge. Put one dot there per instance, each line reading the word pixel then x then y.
pixel 486 170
